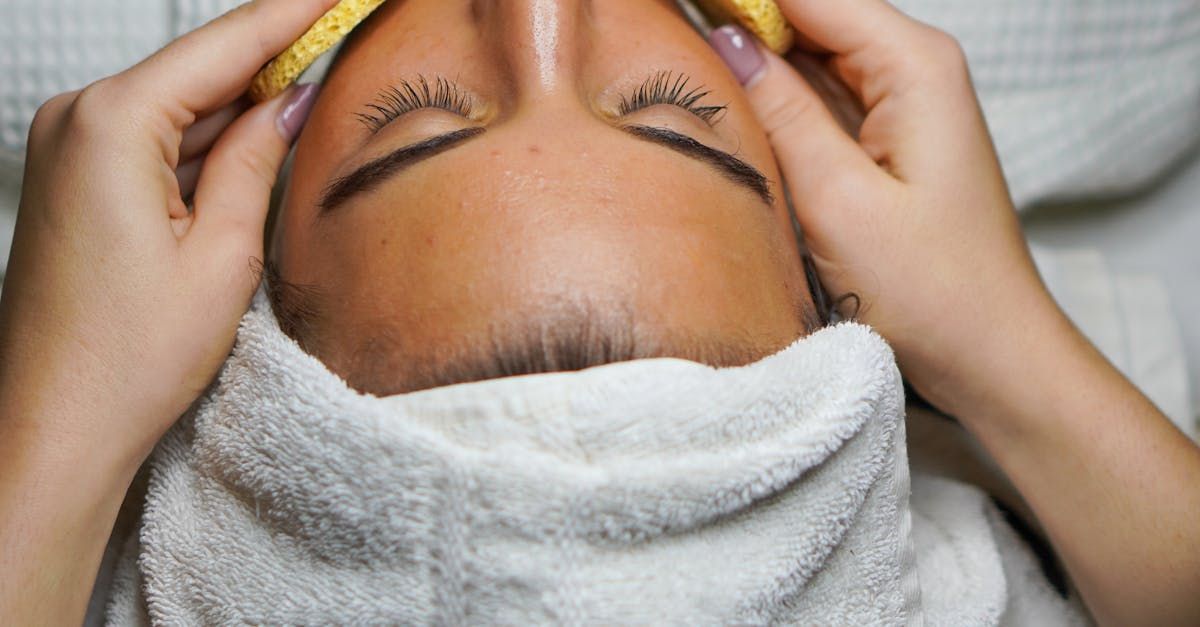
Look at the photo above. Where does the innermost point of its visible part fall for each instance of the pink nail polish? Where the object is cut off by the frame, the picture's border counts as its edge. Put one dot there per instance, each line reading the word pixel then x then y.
pixel 295 111
pixel 740 52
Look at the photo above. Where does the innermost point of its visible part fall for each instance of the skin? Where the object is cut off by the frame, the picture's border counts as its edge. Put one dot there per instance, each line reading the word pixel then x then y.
pixel 553 206
pixel 1109 478
pixel 119 305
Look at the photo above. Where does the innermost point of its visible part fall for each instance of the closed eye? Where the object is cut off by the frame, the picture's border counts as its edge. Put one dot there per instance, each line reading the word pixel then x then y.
pixel 399 100
pixel 667 88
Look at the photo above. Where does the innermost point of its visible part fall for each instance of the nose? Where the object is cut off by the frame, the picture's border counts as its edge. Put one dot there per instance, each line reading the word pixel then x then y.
pixel 541 43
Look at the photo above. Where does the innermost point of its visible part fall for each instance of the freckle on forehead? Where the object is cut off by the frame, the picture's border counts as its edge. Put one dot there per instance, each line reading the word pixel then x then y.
pixel 534 149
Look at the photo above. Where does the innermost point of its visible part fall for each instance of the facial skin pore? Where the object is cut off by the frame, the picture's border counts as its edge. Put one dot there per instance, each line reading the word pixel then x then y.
pixel 565 208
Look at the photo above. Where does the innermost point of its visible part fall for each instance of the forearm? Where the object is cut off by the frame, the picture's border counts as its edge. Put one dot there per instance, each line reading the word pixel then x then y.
pixel 1113 482
pixel 60 501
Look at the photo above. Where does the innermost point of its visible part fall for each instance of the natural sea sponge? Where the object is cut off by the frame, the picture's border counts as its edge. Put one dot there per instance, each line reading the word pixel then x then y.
pixel 285 69
pixel 761 17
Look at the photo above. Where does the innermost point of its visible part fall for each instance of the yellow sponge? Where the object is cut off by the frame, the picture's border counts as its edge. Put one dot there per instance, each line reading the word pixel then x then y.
pixel 761 17
pixel 280 73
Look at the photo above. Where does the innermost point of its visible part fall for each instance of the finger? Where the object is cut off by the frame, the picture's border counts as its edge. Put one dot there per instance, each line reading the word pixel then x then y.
pixel 923 118
pixel 210 67
pixel 200 137
pixel 838 98
pixel 235 185
pixel 846 26
pixel 871 34
pixel 805 44
pixel 188 175
pixel 812 148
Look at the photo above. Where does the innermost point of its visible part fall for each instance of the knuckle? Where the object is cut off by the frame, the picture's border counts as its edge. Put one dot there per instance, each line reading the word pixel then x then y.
pixel 779 113
pixel 256 17
pixel 943 52
pixel 53 108
pixel 110 108
pixel 259 164
pixel 92 108
pixel 251 13
pixel 49 116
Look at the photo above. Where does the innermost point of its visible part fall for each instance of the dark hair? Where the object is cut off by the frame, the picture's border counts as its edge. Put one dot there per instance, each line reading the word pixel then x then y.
pixel 845 306
pixel 573 336
pixel 296 307
pixel 581 337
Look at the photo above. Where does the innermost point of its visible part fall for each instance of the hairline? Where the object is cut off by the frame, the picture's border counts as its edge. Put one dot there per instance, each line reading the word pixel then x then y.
pixel 566 336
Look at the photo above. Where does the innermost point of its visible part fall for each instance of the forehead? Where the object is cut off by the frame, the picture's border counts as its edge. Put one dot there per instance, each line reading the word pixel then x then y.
pixel 515 217
pixel 550 207
pixel 568 336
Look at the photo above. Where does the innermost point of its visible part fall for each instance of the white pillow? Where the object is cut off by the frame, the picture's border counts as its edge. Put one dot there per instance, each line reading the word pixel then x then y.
pixel 1084 98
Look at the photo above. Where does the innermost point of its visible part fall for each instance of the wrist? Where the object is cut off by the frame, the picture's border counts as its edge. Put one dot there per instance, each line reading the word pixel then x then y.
pixel 1005 364
pixel 48 431
pixel 60 503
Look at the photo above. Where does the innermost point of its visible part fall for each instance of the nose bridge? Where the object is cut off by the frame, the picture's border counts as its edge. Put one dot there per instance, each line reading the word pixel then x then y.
pixel 542 40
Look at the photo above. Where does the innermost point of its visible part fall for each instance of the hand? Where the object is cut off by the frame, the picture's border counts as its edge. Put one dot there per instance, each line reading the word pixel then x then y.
pixel 912 214
pixel 121 303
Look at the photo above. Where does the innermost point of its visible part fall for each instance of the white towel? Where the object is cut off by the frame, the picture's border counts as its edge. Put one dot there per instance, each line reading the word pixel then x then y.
pixel 975 571
pixel 657 491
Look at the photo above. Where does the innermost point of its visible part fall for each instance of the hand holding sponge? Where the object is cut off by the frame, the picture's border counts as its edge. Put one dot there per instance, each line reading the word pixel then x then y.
pixel 334 26
pixel 761 17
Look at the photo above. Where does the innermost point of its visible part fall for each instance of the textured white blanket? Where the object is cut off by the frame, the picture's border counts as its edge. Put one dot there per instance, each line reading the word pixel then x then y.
pixel 651 492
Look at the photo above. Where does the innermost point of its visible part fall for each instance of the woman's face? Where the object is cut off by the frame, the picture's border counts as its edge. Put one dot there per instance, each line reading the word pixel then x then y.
pixel 484 180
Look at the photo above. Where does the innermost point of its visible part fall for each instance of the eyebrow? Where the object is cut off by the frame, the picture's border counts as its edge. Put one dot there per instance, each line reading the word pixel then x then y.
pixel 374 173
pixel 371 175
pixel 730 166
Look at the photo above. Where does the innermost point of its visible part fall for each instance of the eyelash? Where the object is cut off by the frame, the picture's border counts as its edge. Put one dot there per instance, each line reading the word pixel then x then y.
pixel 410 96
pixel 670 89
pixel 663 88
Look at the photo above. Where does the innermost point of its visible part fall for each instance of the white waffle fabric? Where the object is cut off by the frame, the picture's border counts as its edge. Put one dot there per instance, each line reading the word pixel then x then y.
pixel 1084 97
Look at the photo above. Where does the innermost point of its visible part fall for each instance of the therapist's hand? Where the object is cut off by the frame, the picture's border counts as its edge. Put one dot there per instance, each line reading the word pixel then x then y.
pixel 911 214
pixel 120 303
pixel 909 210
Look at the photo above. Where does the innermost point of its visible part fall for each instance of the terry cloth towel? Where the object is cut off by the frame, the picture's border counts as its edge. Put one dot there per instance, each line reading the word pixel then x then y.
pixel 650 492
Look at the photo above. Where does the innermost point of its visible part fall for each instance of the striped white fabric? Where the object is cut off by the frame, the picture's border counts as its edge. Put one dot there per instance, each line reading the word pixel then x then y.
pixel 51 46
pixel 1084 98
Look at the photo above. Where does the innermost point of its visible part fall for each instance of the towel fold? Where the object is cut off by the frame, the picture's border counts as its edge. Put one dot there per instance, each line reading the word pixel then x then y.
pixel 650 492
pixel 657 491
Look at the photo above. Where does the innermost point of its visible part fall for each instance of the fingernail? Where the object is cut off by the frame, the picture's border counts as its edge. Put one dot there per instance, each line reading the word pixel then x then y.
pixel 295 111
pixel 740 52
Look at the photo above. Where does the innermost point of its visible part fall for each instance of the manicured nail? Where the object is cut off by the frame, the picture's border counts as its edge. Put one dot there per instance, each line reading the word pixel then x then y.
pixel 740 52
pixel 295 111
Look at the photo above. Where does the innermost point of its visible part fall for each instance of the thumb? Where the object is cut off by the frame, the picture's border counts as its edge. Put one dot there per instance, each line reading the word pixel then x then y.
pixel 234 191
pixel 812 148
